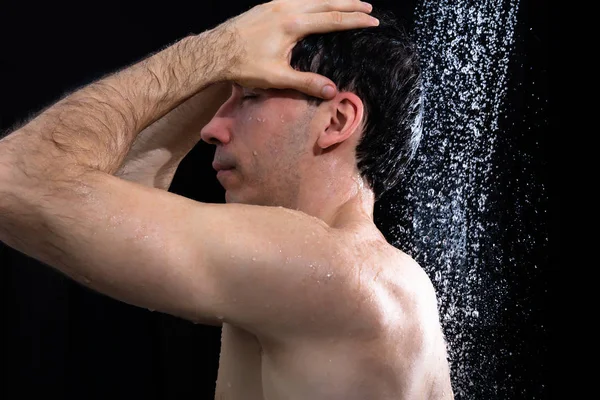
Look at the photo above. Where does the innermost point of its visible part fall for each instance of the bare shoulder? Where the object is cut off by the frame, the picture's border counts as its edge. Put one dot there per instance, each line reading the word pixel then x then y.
pixel 411 279
pixel 409 295
pixel 396 276
pixel 390 274
pixel 413 321
pixel 399 287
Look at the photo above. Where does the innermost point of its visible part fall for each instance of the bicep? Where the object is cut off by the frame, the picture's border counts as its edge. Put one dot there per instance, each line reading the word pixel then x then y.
pixel 252 266
pixel 125 240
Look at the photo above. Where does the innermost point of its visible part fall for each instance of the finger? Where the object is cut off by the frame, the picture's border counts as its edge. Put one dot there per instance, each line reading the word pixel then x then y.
pixel 307 82
pixel 332 21
pixel 317 6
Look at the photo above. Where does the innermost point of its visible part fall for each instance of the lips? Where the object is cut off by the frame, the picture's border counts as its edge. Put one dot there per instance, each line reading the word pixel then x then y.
pixel 217 166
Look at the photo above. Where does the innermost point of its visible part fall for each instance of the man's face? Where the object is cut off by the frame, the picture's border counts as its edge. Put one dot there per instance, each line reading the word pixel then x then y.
pixel 265 135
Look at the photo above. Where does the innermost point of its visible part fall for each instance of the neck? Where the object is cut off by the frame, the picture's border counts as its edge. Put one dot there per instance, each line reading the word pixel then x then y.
pixel 347 200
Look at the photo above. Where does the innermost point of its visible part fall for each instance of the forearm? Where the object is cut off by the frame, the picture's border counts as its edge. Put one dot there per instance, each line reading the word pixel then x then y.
pixel 159 149
pixel 95 127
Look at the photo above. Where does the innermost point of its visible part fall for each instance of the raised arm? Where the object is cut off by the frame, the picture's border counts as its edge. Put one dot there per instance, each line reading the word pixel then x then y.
pixel 61 204
pixel 159 149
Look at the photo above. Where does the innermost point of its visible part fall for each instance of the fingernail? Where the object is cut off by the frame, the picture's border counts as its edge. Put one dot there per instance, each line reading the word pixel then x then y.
pixel 369 5
pixel 375 21
pixel 328 91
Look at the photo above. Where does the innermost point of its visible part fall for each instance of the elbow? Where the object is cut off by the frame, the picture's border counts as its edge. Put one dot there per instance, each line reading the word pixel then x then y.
pixel 11 164
pixel 17 176
pixel 5 180
pixel 11 178
pixel 7 199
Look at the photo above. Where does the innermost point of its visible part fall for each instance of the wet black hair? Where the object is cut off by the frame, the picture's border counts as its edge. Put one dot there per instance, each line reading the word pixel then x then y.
pixel 381 66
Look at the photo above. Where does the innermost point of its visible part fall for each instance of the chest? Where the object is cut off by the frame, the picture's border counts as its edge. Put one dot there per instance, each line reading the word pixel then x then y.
pixel 321 370
pixel 240 365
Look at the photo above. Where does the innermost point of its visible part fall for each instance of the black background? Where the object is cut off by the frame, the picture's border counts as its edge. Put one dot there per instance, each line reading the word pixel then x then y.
pixel 63 340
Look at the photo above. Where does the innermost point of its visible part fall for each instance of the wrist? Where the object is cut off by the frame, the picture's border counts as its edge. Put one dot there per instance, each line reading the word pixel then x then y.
pixel 212 54
pixel 168 78
pixel 224 50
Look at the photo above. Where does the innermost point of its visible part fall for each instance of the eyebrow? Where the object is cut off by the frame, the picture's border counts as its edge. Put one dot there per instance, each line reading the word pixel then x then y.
pixel 238 86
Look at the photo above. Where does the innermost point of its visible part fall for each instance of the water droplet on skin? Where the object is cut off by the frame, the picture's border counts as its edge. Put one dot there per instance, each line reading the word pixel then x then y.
pixel 87 281
pixel 329 275
pixel 255 152
pixel 253 258
pixel 229 384
pixel 220 317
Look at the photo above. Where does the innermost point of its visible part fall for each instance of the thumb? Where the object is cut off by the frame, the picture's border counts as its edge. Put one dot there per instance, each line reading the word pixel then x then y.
pixel 310 83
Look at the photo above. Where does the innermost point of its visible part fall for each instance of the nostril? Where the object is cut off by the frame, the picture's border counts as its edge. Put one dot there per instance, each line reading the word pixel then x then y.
pixel 217 131
pixel 209 138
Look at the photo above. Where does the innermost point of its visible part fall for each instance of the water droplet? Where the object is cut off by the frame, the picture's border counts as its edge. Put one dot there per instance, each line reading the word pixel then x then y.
pixel 220 317
pixel 465 56
pixel 253 258
pixel 255 152
pixel 329 275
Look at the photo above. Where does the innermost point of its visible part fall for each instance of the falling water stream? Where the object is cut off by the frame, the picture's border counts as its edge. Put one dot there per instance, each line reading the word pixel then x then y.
pixel 451 208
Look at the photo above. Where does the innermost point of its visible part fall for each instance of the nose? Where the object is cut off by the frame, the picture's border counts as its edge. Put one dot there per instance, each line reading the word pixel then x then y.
pixel 218 130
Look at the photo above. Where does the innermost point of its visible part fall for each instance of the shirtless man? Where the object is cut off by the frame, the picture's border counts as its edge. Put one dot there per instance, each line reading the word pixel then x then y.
pixel 314 303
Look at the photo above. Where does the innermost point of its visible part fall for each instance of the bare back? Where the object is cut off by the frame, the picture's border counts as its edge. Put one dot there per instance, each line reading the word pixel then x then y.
pixel 405 358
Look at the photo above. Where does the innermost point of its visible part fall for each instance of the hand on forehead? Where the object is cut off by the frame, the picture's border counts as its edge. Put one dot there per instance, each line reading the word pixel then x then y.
pixel 260 41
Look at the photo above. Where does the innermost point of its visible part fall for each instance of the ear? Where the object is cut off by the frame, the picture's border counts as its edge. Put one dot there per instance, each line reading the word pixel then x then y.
pixel 342 117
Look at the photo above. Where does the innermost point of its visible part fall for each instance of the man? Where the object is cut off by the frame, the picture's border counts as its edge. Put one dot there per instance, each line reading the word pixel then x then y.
pixel 313 301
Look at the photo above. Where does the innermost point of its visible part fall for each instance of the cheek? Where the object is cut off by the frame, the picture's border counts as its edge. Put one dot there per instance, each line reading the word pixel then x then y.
pixel 253 119
pixel 260 129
